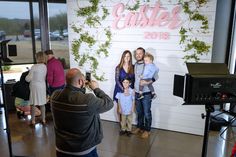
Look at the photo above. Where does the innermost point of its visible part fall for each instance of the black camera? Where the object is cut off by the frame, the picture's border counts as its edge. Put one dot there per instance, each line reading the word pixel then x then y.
pixel 88 76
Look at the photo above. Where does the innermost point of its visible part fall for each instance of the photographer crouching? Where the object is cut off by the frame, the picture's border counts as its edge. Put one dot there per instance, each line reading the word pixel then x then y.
pixel 76 116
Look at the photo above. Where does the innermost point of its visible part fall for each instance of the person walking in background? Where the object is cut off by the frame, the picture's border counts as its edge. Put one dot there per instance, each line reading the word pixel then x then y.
pixel 76 116
pixel 37 80
pixel 148 74
pixel 143 106
pixel 123 69
pixel 55 73
pixel 126 107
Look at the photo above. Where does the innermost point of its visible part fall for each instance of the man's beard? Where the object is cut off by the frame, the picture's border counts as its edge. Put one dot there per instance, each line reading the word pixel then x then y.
pixel 140 60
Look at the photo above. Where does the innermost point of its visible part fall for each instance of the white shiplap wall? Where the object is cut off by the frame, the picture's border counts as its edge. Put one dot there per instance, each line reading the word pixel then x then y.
pixel 168 111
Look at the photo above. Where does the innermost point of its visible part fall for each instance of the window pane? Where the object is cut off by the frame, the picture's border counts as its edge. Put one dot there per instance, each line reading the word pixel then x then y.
pixel 58 33
pixel 15 26
pixel 37 34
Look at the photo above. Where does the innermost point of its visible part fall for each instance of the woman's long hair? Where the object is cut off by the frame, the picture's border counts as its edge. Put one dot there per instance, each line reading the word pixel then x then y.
pixel 130 65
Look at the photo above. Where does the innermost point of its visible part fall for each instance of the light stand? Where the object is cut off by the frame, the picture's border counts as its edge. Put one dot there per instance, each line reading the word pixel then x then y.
pixel 6 112
pixel 206 84
pixel 209 108
pixel 4 59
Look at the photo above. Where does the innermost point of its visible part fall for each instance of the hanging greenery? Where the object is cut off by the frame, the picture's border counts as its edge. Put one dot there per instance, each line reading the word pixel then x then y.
pixel 6 68
pixel 94 14
pixel 193 46
pixel 133 7
pixel 94 48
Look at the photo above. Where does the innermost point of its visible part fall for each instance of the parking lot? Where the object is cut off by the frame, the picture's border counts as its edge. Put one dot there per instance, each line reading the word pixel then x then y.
pixel 25 53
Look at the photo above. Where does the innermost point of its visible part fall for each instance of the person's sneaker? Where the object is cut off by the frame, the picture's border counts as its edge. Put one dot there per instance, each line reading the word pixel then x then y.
pixel 140 96
pixel 145 134
pixel 154 96
pixel 19 114
pixel 137 131
pixel 128 133
pixel 122 132
pixel 43 122
pixel 32 124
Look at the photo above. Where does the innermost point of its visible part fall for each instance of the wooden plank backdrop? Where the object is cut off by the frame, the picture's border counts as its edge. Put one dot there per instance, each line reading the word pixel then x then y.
pixel 167 110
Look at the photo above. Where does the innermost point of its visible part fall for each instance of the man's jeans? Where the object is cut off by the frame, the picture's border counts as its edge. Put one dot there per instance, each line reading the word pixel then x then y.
pixel 143 108
pixel 93 153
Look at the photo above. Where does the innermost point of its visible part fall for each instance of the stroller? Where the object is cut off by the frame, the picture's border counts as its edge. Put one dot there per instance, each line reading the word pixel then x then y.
pixel 21 92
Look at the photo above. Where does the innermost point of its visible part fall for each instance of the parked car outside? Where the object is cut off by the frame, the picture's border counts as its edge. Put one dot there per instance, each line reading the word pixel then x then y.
pixel 2 35
pixel 52 37
pixel 36 31
pixel 37 35
pixel 56 32
pixel 27 33
pixel 65 33
pixel 55 36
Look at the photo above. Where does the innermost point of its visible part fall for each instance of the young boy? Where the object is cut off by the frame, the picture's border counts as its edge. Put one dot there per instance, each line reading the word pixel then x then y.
pixel 126 107
pixel 148 73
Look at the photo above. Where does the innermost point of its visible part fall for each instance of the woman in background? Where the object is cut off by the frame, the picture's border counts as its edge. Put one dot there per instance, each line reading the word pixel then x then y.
pixel 37 80
pixel 21 92
pixel 124 69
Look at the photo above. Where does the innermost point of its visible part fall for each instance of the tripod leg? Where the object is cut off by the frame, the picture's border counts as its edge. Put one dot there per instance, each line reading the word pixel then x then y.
pixel 206 132
pixel 209 108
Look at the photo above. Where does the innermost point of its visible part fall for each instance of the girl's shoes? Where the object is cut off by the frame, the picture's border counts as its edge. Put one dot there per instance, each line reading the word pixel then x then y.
pixel 32 123
pixel 43 122
pixel 20 114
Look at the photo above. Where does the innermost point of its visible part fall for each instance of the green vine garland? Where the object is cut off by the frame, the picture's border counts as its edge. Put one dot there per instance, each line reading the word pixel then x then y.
pixel 91 20
pixel 194 46
pixel 134 7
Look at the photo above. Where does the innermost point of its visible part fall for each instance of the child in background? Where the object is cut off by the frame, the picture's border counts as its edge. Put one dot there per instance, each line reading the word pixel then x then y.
pixel 23 108
pixel 126 107
pixel 148 73
pixel 21 92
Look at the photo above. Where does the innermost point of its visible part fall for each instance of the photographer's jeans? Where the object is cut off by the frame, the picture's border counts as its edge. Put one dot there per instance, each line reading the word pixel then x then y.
pixel 144 114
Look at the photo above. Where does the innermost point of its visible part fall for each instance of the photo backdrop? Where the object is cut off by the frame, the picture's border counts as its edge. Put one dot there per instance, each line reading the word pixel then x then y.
pixel 153 25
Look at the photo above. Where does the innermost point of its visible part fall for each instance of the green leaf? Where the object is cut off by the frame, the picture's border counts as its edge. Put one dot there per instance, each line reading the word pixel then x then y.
pixel 134 7
pixel 191 45
pixel 92 20
pixel 105 13
pixel 87 11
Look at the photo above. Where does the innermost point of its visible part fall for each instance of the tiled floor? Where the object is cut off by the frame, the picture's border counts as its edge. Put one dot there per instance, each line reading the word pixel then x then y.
pixel 39 142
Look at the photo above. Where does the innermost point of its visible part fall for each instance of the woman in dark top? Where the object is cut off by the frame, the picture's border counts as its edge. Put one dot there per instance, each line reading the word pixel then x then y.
pixel 124 69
